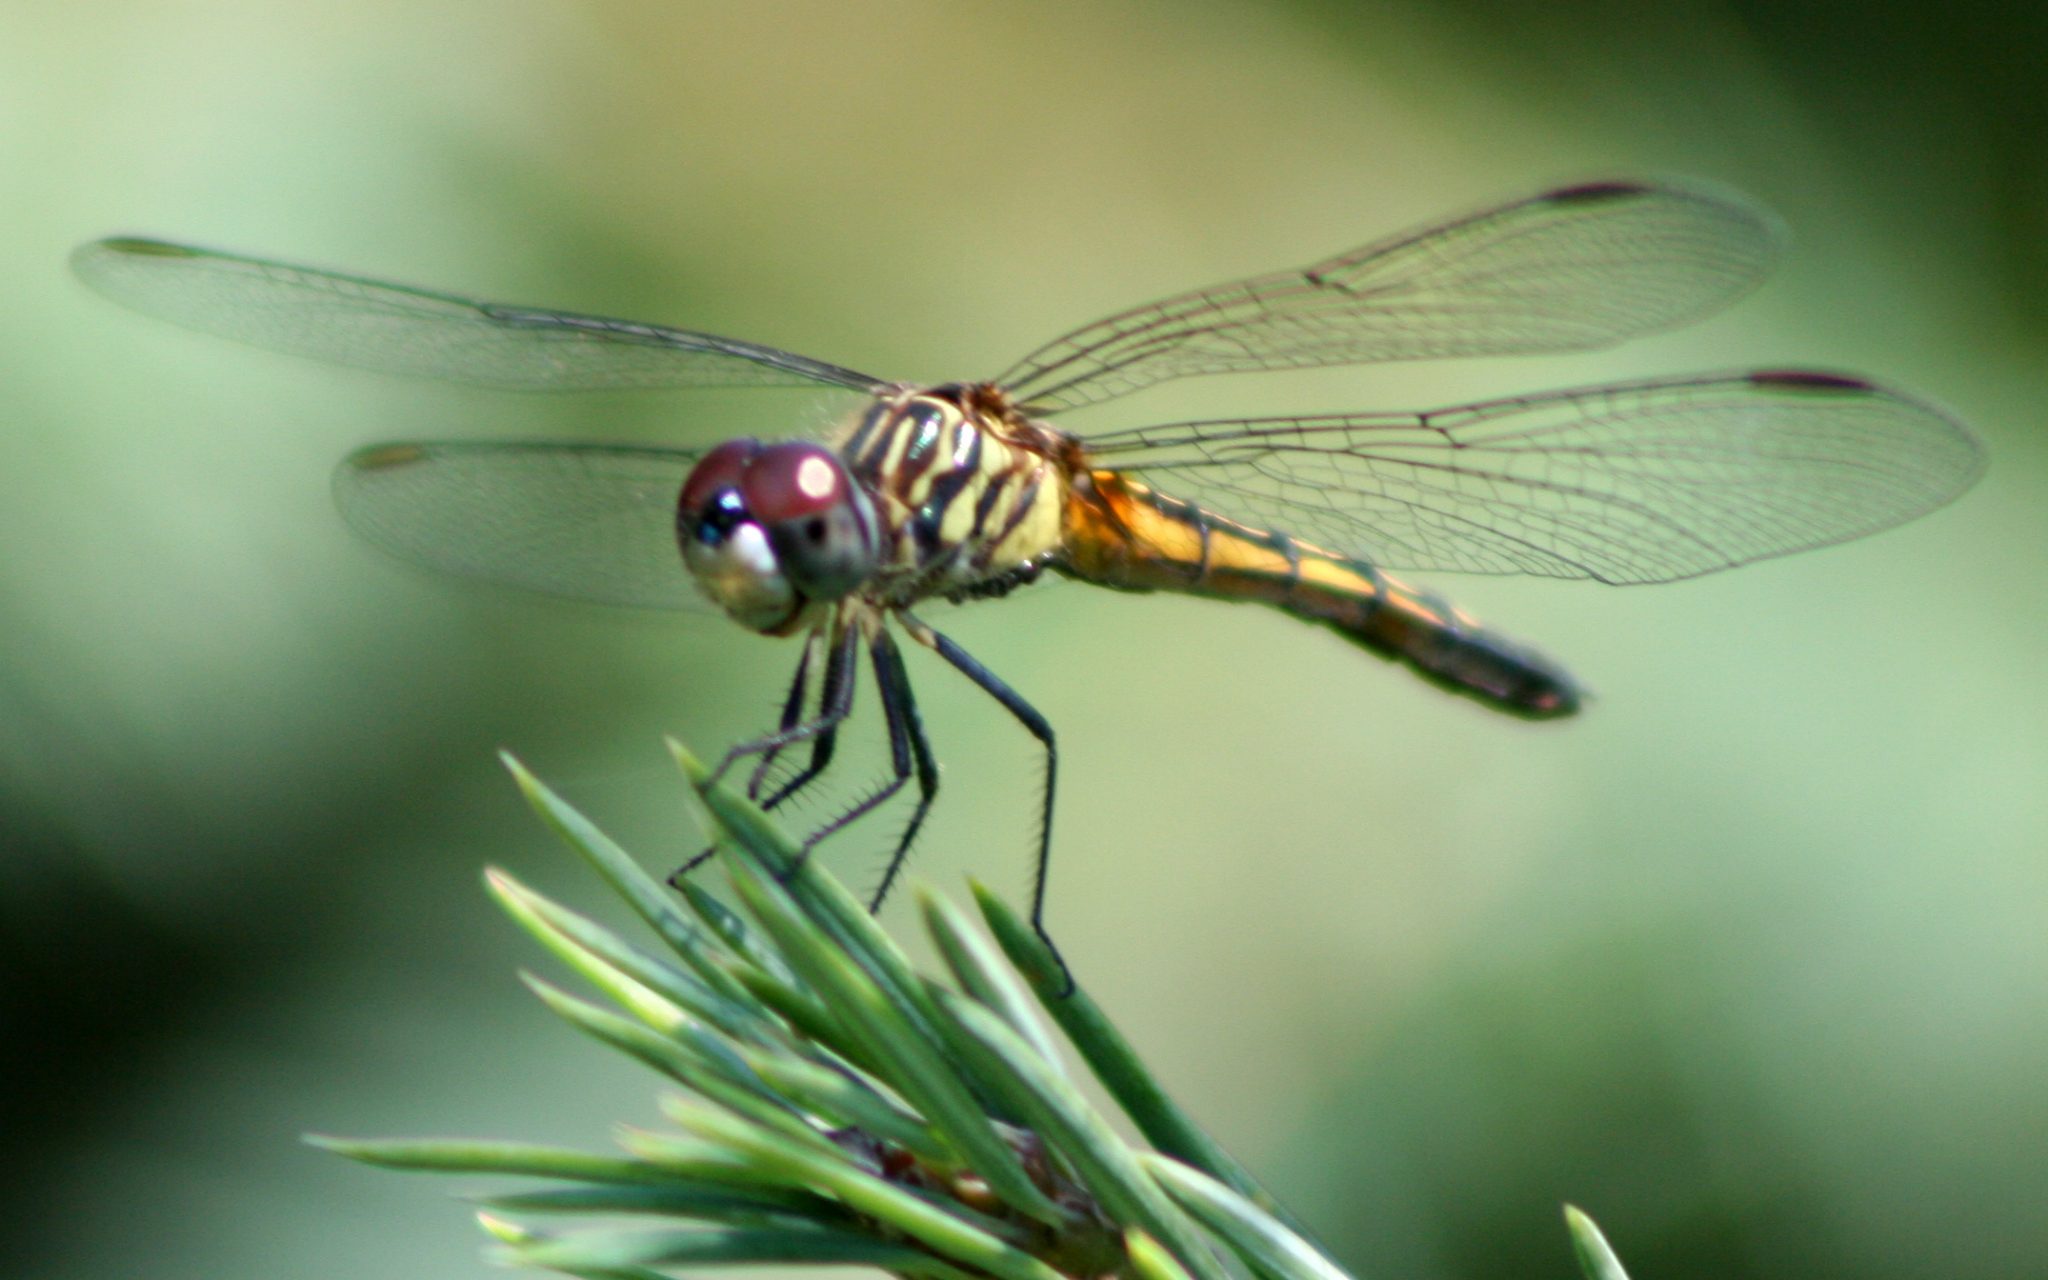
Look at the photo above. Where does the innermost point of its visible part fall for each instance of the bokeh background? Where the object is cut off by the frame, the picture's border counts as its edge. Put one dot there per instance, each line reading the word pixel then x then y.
pixel 1750 960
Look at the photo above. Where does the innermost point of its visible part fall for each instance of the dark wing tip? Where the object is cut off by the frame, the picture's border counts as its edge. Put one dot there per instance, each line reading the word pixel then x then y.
pixel 1596 192
pixel 1767 230
pixel 1963 453
pixel 385 457
pixel 1811 380
pixel 139 247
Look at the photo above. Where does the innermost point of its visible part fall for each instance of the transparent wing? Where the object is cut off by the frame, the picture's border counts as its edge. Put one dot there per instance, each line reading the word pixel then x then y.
pixel 398 329
pixel 588 522
pixel 1637 482
pixel 1570 270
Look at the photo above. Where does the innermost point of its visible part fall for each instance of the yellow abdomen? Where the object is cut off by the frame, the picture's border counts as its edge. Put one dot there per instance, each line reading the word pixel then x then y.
pixel 1125 534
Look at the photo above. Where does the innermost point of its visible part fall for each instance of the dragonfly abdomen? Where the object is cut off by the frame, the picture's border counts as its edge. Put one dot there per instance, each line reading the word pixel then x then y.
pixel 1121 533
pixel 1451 648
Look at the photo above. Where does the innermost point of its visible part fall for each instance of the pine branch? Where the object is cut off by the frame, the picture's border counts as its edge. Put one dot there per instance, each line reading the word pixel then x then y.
pixel 837 1108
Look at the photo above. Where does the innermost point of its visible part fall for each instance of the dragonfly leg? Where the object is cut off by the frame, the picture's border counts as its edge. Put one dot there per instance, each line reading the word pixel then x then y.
pixel 853 813
pixel 792 711
pixel 835 702
pixel 834 707
pixel 904 746
pixel 906 730
pixel 1028 716
pixel 792 708
pixel 838 674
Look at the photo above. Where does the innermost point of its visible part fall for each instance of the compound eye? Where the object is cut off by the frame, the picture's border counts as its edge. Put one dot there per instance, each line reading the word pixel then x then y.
pixel 725 547
pixel 725 512
pixel 711 502
pixel 786 482
pixel 817 518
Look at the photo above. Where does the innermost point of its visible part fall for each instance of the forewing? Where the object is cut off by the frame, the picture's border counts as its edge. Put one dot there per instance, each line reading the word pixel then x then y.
pixel 587 522
pixel 398 329
pixel 1570 270
pixel 1638 482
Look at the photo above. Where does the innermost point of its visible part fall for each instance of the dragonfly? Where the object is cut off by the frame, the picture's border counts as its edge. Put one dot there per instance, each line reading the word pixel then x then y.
pixel 964 491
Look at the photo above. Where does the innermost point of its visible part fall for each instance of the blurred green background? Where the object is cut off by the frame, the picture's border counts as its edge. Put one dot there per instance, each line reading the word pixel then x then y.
pixel 1749 960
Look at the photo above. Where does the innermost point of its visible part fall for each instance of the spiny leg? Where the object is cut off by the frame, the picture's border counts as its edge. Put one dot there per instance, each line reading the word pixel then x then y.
pixel 835 702
pixel 905 725
pixel 1028 716
pixel 834 706
pixel 791 709
pixel 905 742
pixel 838 672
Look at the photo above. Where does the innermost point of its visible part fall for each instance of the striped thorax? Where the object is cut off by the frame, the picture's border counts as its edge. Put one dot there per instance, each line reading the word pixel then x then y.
pixel 968 493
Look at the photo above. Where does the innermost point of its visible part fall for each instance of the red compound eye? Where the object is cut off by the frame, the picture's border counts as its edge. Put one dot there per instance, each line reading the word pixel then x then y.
pixel 819 520
pixel 787 482
pixel 717 471
pixel 752 515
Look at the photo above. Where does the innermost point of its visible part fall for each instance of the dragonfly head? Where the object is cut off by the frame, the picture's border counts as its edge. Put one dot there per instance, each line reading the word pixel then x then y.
pixel 768 529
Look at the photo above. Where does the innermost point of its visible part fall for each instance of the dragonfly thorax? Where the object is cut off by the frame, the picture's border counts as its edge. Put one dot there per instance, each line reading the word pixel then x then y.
pixel 969 493
pixel 769 530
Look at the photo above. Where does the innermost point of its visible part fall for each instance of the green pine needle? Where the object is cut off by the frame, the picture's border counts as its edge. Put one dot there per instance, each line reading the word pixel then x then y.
pixel 840 1109
pixel 1596 1258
